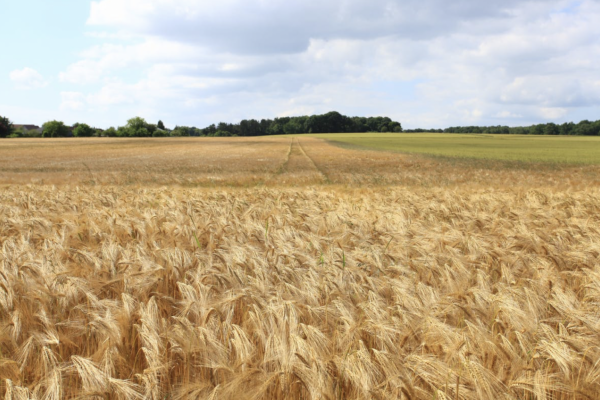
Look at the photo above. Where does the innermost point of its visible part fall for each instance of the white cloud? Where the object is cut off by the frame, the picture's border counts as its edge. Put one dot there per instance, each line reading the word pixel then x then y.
pixel 72 101
pixel 444 63
pixel 100 61
pixel 82 72
pixel 553 113
pixel 507 115
pixel 267 26
pixel 27 78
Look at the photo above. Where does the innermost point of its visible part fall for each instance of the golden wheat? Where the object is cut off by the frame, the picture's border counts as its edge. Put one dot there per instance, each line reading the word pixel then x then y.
pixel 315 293
pixel 260 161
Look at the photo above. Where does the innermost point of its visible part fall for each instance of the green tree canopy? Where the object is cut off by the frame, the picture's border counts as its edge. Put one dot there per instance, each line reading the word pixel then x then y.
pixel 181 131
pixel 110 132
pixel 160 125
pixel 122 131
pixel 331 122
pixel 55 129
pixel 6 127
pixel 138 127
pixel 160 133
pixel 151 128
pixel 551 129
pixel 83 130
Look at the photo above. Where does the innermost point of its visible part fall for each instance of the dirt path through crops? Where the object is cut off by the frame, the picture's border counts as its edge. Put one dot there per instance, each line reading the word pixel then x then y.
pixel 298 168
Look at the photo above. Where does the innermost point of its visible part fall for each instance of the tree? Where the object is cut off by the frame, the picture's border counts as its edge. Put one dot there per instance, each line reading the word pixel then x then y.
pixel 567 128
pixel 331 122
pixel 160 125
pixel 245 128
pixel 181 131
pixel 537 129
pixel 144 132
pixel 55 129
pixel 551 129
pixel 19 132
pixel 110 132
pixel 250 128
pixel 225 127
pixel 585 127
pixel 596 128
pixel 275 129
pixel 196 132
pixel 83 130
pixel 6 127
pixel 122 131
pixel 160 133
pixel 264 126
pixel 151 129
pixel 138 127
pixel 294 125
pixel 210 130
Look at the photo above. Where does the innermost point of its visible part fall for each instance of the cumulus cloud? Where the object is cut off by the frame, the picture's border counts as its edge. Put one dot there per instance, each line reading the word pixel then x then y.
pixel 428 62
pixel 265 26
pixel 72 101
pixel 27 78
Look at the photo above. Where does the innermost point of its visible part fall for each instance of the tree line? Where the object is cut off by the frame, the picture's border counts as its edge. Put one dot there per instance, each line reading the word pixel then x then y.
pixel 331 122
pixel 583 128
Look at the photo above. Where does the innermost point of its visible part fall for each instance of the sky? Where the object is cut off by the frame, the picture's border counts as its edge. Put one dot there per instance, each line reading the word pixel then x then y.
pixel 425 63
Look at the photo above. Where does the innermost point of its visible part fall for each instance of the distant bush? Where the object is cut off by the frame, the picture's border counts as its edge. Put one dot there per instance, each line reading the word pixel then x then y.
pixel 55 129
pixel 143 132
pixel 32 133
pixel 160 133
pixel 83 130
pixel 110 132
pixel 179 131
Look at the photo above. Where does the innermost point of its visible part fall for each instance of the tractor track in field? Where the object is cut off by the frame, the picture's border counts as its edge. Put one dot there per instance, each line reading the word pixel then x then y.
pixel 298 167
pixel 325 177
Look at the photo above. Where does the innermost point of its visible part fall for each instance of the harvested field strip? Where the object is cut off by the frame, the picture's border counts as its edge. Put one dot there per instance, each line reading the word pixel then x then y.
pixel 134 293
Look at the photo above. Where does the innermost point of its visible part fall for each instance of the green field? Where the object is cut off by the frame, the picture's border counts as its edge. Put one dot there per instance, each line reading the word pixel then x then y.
pixel 552 149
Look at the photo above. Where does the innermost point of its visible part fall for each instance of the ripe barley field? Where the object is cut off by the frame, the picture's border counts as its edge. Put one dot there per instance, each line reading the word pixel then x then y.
pixel 288 268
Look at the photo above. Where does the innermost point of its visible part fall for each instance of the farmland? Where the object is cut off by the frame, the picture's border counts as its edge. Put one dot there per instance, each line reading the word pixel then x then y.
pixel 291 268
pixel 523 148
pixel 280 160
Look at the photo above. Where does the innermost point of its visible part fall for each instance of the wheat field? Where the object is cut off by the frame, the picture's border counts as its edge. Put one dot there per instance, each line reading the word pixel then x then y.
pixel 528 148
pixel 337 274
